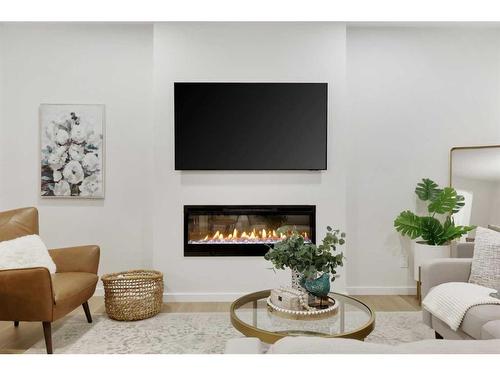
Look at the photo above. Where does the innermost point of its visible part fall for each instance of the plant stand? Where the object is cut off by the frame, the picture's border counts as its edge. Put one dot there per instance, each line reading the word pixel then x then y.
pixel 423 253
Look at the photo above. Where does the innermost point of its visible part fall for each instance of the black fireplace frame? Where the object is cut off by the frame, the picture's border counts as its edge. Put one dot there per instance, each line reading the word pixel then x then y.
pixel 199 250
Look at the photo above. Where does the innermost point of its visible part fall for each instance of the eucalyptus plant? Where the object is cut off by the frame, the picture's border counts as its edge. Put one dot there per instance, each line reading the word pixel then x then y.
pixel 442 202
pixel 307 258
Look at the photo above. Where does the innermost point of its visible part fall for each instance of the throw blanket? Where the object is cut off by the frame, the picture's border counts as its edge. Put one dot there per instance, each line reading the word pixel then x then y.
pixel 450 301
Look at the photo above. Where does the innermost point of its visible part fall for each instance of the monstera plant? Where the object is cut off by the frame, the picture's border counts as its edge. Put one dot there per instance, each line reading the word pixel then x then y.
pixel 437 228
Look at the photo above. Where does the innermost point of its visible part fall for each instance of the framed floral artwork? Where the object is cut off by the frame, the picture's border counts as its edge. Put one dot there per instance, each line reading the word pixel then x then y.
pixel 72 150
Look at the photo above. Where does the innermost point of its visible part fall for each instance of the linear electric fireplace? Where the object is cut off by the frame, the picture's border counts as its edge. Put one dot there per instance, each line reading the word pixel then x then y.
pixel 243 230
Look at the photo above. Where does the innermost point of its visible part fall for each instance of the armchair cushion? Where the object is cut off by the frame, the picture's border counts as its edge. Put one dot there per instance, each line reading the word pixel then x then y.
pixel 71 289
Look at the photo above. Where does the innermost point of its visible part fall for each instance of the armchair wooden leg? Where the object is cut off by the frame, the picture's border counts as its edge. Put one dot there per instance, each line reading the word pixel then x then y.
pixel 85 306
pixel 47 332
pixel 16 323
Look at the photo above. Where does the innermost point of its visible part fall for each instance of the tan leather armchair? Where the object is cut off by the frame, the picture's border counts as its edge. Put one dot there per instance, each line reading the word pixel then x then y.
pixel 33 294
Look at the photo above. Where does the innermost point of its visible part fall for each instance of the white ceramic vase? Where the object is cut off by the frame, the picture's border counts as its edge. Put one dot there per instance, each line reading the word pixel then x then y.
pixel 296 277
pixel 422 253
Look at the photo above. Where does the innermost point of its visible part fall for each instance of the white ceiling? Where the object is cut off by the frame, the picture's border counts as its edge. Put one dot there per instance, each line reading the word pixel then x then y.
pixel 479 164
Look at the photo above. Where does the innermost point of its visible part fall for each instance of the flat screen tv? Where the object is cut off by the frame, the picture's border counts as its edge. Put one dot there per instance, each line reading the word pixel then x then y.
pixel 250 126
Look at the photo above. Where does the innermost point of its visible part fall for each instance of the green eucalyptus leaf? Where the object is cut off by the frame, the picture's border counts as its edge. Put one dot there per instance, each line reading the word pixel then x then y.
pixel 293 252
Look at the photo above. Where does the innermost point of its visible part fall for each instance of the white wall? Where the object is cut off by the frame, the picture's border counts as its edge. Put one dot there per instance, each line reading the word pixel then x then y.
pixel 413 94
pixel 241 52
pixel 83 63
pixel 410 95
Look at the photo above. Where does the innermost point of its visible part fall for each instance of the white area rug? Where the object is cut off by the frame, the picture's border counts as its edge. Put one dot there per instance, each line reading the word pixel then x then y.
pixel 194 333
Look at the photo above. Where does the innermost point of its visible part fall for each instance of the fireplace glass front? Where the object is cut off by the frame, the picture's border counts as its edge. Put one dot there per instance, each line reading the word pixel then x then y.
pixel 243 230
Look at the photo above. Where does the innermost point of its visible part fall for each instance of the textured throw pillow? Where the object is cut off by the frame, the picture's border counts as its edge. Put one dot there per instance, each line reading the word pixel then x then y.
pixel 485 269
pixel 25 252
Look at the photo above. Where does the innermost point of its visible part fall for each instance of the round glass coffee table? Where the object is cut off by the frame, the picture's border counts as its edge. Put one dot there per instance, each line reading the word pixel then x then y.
pixel 250 316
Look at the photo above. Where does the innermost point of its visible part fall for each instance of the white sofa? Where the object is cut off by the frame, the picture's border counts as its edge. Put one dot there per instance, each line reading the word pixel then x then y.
pixel 319 345
pixel 480 322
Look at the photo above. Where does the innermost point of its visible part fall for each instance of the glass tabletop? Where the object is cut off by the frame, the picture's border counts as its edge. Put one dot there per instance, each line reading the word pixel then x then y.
pixel 251 316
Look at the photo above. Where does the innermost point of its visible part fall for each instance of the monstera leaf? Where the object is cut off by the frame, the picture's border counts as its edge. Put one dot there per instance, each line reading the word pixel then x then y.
pixel 432 230
pixel 408 224
pixel 460 203
pixel 441 201
pixel 452 231
pixel 427 190
pixel 445 202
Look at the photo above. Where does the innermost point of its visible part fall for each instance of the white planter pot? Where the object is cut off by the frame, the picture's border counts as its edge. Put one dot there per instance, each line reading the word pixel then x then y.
pixel 422 253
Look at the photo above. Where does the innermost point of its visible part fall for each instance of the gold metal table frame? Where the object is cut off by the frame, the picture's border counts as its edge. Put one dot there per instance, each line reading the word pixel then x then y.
pixel 271 337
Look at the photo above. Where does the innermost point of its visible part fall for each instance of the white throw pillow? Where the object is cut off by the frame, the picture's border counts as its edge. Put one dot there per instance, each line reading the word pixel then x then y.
pixel 25 252
pixel 485 269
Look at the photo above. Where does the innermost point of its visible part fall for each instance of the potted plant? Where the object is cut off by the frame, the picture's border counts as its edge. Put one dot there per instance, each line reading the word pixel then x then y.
pixel 436 230
pixel 305 259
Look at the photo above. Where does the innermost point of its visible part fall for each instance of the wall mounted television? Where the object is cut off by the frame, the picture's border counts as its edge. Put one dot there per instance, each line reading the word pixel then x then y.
pixel 250 126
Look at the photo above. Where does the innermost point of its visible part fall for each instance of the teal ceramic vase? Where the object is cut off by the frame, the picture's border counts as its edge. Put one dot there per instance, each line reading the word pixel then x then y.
pixel 319 287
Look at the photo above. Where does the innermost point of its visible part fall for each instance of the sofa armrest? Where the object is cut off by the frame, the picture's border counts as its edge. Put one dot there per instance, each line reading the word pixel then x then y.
pixel 244 345
pixel 26 294
pixel 491 330
pixel 76 259
pixel 440 271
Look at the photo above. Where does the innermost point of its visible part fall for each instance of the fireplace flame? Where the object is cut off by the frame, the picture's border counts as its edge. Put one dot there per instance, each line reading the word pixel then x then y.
pixel 264 236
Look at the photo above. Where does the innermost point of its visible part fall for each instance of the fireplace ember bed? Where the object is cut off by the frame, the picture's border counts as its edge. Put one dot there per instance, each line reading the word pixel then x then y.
pixel 243 230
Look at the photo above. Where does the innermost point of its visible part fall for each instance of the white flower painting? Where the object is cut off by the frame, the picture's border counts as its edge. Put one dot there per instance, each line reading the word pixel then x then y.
pixel 72 145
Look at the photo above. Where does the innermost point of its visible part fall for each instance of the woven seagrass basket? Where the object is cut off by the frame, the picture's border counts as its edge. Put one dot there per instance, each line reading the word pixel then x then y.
pixel 133 295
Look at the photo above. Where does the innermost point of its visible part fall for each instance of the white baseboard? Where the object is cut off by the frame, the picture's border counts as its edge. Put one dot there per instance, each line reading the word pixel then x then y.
pixel 202 297
pixel 192 297
pixel 229 297
pixel 382 290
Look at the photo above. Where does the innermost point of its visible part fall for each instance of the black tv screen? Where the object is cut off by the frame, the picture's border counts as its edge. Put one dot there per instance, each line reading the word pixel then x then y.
pixel 250 126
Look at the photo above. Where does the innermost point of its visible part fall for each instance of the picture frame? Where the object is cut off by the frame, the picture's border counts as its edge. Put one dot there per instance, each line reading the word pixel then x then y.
pixel 72 150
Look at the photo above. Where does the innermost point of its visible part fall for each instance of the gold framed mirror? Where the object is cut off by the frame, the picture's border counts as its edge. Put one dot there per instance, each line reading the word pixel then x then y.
pixel 475 174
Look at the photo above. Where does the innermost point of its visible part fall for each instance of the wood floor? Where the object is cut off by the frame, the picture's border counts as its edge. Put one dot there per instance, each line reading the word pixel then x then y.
pixel 19 339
